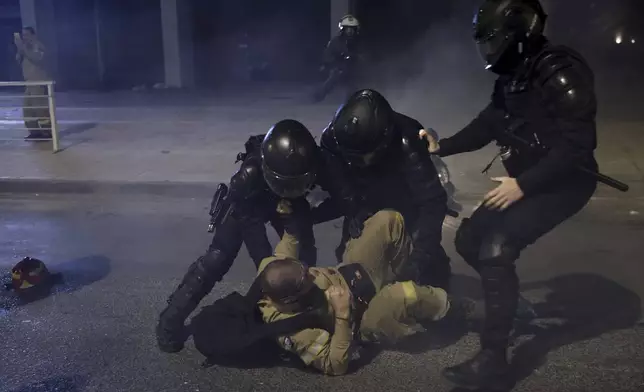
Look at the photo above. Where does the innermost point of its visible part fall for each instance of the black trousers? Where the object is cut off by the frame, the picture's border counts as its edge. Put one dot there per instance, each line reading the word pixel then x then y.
pixel 491 241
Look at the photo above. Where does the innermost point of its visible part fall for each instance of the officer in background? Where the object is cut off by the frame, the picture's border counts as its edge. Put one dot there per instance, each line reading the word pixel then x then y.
pixel 283 164
pixel 375 153
pixel 341 58
pixel 357 301
pixel 542 116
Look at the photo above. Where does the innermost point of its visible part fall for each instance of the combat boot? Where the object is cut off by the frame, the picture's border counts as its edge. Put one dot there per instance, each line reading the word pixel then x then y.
pixel 196 284
pixel 489 369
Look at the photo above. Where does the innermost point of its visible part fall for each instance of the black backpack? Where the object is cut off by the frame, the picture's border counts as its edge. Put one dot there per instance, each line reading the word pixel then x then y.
pixel 231 332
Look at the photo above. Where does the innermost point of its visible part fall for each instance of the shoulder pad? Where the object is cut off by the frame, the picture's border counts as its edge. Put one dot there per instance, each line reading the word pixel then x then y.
pixel 248 180
pixel 413 147
pixel 566 82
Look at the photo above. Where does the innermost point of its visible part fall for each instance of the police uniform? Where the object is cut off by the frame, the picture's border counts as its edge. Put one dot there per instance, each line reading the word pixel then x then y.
pixel 381 251
pixel 253 205
pixel 550 100
pixel 404 180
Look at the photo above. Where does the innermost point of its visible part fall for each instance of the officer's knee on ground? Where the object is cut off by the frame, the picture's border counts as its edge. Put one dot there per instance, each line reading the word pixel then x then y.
pixel 466 243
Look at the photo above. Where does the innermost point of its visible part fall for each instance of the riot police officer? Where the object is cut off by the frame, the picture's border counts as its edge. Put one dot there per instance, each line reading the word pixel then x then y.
pixel 542 116
pixel 284 165
pixel 374 152
pixel 341 57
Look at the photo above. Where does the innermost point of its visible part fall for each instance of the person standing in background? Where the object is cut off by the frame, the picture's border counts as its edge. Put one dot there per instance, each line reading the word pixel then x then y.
pixel 31 57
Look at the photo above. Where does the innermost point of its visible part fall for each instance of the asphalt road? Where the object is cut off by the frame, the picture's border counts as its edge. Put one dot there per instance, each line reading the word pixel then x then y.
pixel 121 257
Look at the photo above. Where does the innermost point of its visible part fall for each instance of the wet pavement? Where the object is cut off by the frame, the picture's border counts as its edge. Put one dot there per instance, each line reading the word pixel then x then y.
pixel 121 255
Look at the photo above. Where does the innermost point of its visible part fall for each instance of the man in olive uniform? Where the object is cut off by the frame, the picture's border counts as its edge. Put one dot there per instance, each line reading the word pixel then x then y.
pixel 31 57
pixel 358 299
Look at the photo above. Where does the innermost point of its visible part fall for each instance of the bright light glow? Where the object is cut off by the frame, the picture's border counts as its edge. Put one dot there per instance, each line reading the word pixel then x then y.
pixel 632 40
pixel 618 39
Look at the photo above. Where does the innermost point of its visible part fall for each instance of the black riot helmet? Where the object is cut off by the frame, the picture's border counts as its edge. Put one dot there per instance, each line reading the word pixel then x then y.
pixel 362 128
pixel 289 159
pixel 507 31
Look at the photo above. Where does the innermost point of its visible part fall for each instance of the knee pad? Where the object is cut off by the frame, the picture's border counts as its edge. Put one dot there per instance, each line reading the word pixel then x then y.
pixel 214 264
pixel 497 256
pixel 497 248
pixel 466 243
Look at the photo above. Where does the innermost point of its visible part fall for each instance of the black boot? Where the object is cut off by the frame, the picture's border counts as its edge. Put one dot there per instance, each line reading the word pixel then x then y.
pixel 489 369
pixel 196 284
pixel 436 275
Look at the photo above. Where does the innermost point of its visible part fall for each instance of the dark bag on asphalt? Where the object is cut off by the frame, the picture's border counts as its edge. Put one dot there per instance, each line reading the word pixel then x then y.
pixel 231 333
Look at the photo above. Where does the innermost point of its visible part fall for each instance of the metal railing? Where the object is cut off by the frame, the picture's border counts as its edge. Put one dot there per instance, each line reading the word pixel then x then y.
pixel 27 105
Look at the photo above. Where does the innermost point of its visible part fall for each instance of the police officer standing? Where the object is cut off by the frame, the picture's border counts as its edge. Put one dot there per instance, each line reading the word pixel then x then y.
pixel 542 116
pixel 341 57
pixel 374 152
pixel 284 165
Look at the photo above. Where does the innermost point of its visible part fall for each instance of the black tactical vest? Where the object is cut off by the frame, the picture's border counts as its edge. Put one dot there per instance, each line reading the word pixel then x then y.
pixel 526 114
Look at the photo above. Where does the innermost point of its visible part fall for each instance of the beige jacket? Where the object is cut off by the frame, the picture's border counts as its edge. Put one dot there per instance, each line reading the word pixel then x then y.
pixel 32 59
pixel 316 347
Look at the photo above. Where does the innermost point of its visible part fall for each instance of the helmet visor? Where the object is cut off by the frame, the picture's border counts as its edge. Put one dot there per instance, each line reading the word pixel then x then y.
pixel 360 160
pixel 289 187
pixel 492 47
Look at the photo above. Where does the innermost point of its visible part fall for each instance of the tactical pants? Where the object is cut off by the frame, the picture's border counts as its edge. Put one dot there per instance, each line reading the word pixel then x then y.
pixel 491 241
pixel 383 249
pixel 36 111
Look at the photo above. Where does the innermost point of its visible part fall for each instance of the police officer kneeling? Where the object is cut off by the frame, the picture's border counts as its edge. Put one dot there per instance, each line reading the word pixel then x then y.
pixel 358 300
pixel 285 165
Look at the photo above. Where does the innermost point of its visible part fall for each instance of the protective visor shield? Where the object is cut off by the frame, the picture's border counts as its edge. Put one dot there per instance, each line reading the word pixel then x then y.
pixel 492 48
pixel 490 34
pixel 361 159
pixel 289 187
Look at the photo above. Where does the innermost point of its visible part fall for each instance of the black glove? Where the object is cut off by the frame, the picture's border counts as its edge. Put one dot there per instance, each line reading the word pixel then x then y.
pixel 356 223
pixel 293 213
